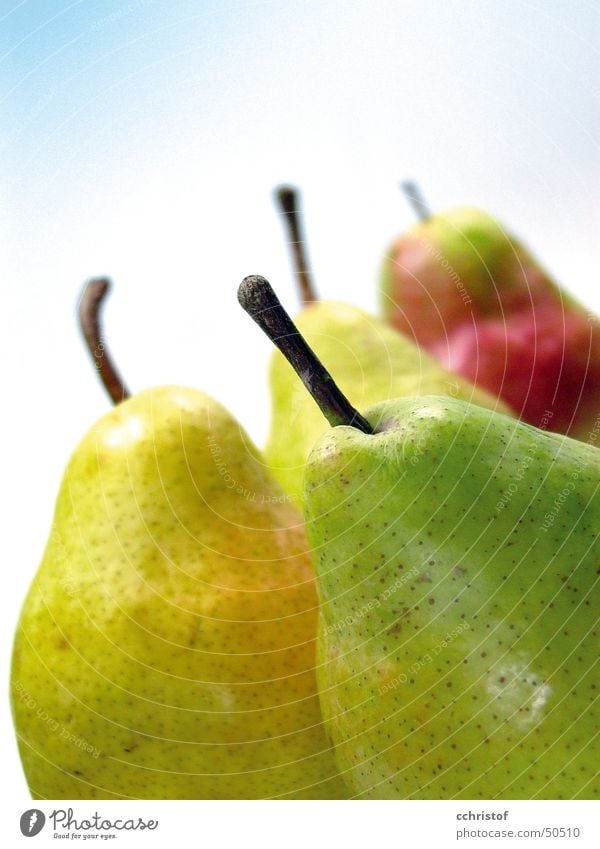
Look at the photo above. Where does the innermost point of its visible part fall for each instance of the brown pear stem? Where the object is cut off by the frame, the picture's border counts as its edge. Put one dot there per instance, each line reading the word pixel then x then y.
pixel 262 304
pixel 288 201
pixel 90 304
pixel 413 194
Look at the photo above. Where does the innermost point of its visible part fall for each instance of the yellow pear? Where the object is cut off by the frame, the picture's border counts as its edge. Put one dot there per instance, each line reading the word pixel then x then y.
pixel 166 647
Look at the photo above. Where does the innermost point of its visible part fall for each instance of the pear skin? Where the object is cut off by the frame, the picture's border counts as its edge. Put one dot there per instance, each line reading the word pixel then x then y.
pixel 166 647
pixel 457 554
pixel 454 264
pixel 371 362
pixel 476 299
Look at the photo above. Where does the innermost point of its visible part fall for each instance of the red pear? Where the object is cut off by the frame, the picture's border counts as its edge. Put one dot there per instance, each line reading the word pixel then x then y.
pixel 469 292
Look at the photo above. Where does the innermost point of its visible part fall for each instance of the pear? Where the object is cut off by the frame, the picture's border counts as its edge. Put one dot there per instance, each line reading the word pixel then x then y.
pixel 371 362
pixel 470 293
pixel 166 647
pixel 457 556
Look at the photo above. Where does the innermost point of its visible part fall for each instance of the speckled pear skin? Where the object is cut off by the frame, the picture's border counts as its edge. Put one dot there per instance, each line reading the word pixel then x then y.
pixel 371 362
pixel 457 558
pixel 166 647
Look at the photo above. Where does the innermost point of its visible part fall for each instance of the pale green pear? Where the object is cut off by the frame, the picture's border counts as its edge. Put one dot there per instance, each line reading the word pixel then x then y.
pixel 457 554
pixel 457 557
pixel 371 362
pixel 166 647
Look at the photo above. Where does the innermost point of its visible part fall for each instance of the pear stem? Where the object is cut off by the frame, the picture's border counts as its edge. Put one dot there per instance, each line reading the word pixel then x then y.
pixel 288 200
pixel 90 304
pixel 413 194
pixel 262 304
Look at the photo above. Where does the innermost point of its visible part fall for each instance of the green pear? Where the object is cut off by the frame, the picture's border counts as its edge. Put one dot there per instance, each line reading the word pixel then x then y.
pixel 456 554
pixel 457 558
pixel 371 362
pixel 166 646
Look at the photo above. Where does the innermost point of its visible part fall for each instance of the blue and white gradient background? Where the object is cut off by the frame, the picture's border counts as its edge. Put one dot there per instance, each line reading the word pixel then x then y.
pixel 142 140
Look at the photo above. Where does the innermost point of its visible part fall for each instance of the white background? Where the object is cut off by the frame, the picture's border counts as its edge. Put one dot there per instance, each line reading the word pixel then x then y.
pixel 143 139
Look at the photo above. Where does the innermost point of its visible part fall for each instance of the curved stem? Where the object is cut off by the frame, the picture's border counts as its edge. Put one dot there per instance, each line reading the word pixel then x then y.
pixel 287 199
pixel 413 194
pixel 262 304
pixel 92 298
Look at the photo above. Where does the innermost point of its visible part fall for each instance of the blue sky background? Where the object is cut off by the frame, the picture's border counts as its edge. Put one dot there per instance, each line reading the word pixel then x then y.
pixel 142 140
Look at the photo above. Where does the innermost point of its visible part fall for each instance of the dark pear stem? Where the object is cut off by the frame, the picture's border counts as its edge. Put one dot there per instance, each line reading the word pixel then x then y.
pixel 288 200
pixel 413 194
pixel 262 304
pixel 92 298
